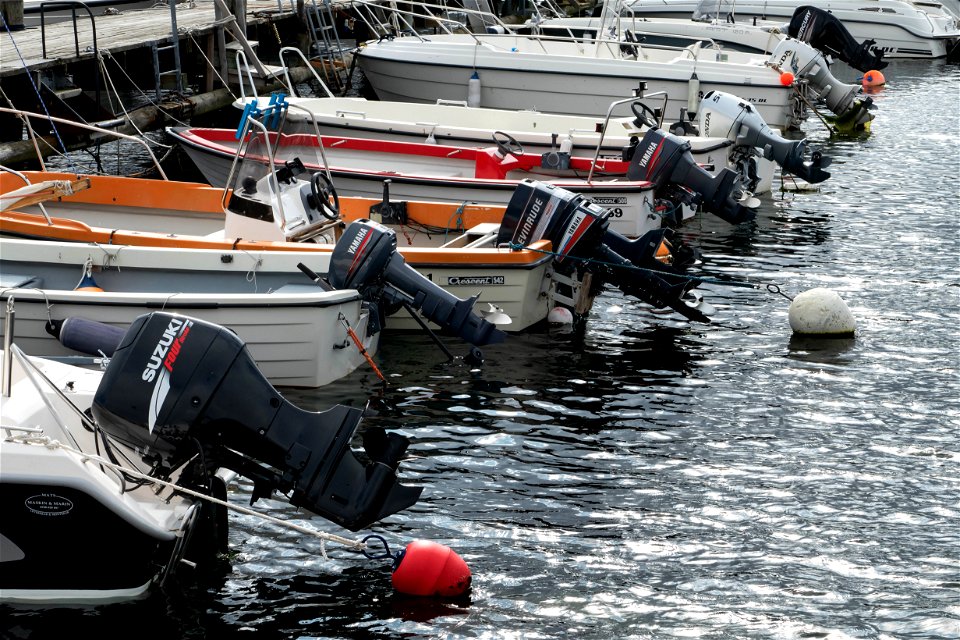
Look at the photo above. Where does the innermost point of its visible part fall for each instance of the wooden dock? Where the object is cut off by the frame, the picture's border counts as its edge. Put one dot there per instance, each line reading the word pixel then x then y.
pixel 21 51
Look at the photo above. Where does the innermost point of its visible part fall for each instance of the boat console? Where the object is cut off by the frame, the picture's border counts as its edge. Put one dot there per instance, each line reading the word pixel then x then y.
pixel 186 394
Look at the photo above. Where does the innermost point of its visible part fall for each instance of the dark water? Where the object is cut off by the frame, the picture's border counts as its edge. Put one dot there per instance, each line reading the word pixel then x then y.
pixel 657 479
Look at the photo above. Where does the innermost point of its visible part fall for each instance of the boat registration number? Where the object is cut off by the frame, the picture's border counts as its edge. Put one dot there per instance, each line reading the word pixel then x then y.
pixel 474 280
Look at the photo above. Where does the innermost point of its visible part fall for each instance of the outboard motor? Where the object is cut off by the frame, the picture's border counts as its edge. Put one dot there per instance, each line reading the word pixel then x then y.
pixel 727 116
pixel 180 390
pixel 578 229
pixel 665 160
pixel 808 64
pixel 824 31
pixel 366 258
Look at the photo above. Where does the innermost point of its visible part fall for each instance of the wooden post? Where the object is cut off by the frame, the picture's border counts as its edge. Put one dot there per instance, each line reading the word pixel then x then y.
pixel 13 13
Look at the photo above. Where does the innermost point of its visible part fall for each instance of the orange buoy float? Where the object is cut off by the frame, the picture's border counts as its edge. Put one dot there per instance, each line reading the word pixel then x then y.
pixel 873 80
pixel 786 78
pixel 426 568
pixel 87 283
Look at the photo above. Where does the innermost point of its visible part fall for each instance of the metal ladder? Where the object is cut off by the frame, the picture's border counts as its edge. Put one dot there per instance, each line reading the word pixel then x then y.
pixel 325 45
pixel 157 49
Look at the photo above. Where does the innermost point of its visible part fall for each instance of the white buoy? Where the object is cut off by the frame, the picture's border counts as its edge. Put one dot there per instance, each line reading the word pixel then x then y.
pixel 821 312
pixel 560 315
pixel 473 90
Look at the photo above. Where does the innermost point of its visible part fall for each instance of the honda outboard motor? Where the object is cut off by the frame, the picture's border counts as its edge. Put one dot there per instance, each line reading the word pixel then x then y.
pixel 366 258
pixel 824 31
pixel 727 116
pixel 808 64
pixel 578 229
pixel 180 391
pixel 665 160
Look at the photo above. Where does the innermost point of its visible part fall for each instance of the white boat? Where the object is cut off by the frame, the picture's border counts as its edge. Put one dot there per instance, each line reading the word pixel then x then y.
pixel 415 171
pixel 114 481
pixel 296 330
pixel 714 21
pixel 565 75
pixel 556 137
pixel 900 28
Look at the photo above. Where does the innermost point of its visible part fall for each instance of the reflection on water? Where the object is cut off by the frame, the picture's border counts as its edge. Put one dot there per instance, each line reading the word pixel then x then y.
pixel 653 478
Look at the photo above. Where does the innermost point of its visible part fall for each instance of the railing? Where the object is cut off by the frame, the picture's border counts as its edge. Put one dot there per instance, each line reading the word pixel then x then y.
pixel 73 5
pixel 26 115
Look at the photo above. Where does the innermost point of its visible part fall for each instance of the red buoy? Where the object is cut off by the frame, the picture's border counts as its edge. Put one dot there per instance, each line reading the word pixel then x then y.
pixel 431 569
pixel 786 78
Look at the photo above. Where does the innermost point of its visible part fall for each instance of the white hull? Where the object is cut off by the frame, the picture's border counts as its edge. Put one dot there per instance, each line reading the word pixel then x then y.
pixel 901 29
pixel 569 77
pixel 293 333
pixel 75 532
pixel 456 125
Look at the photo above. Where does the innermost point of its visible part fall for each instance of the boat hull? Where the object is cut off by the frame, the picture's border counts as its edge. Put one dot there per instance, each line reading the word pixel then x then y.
pixel 294 333
pixel 411 70
pixel 73 532
pixel 117 223
pixel 899 29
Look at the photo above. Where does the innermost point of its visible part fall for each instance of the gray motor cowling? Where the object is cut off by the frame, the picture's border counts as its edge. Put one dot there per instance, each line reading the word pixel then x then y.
pixel 727 116
pixel 808 64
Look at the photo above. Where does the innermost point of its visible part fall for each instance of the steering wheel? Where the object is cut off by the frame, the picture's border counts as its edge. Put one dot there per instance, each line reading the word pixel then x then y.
pixel 321 188
pixel 507 144
pixel 644 115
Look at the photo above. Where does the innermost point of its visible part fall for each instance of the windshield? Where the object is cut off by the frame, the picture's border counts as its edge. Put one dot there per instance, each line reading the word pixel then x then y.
pixel 708 10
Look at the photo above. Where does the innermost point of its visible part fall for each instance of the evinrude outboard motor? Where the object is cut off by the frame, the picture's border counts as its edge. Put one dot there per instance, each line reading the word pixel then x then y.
pixel 184 391
pixel 665 160
pixel 366 258
pixel 824 31
pixel 727 116
pixel 808 64
pixel 578 229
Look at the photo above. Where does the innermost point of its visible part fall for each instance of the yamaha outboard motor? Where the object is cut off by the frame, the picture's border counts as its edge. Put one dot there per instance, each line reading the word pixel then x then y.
pixel 808 64
pixel 824 31
pixel 665 160
pixel 727 116
pixel 366 258
pixel 578 230
pixel 180 390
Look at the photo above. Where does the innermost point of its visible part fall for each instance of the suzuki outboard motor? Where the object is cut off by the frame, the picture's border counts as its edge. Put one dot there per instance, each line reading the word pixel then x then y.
pixel 578 229
pixel 665 160
pixel 808 64
pixel 727 116
pixel 366 258
pixel 184 391
pixel 824 31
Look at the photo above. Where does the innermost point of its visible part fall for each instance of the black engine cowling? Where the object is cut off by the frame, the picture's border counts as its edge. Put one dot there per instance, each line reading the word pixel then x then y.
pixel 184 391
pixel 665 160
pixel 578 230
pixel 824 31
pixel 366 258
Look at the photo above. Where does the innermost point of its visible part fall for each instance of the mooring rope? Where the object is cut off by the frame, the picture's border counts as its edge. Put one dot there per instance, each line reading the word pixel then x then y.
pixel 730 283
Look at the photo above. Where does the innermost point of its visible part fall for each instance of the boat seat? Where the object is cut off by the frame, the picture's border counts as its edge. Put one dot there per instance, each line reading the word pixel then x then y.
pixel 297 287
pixel 483 234
pixel 19 281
